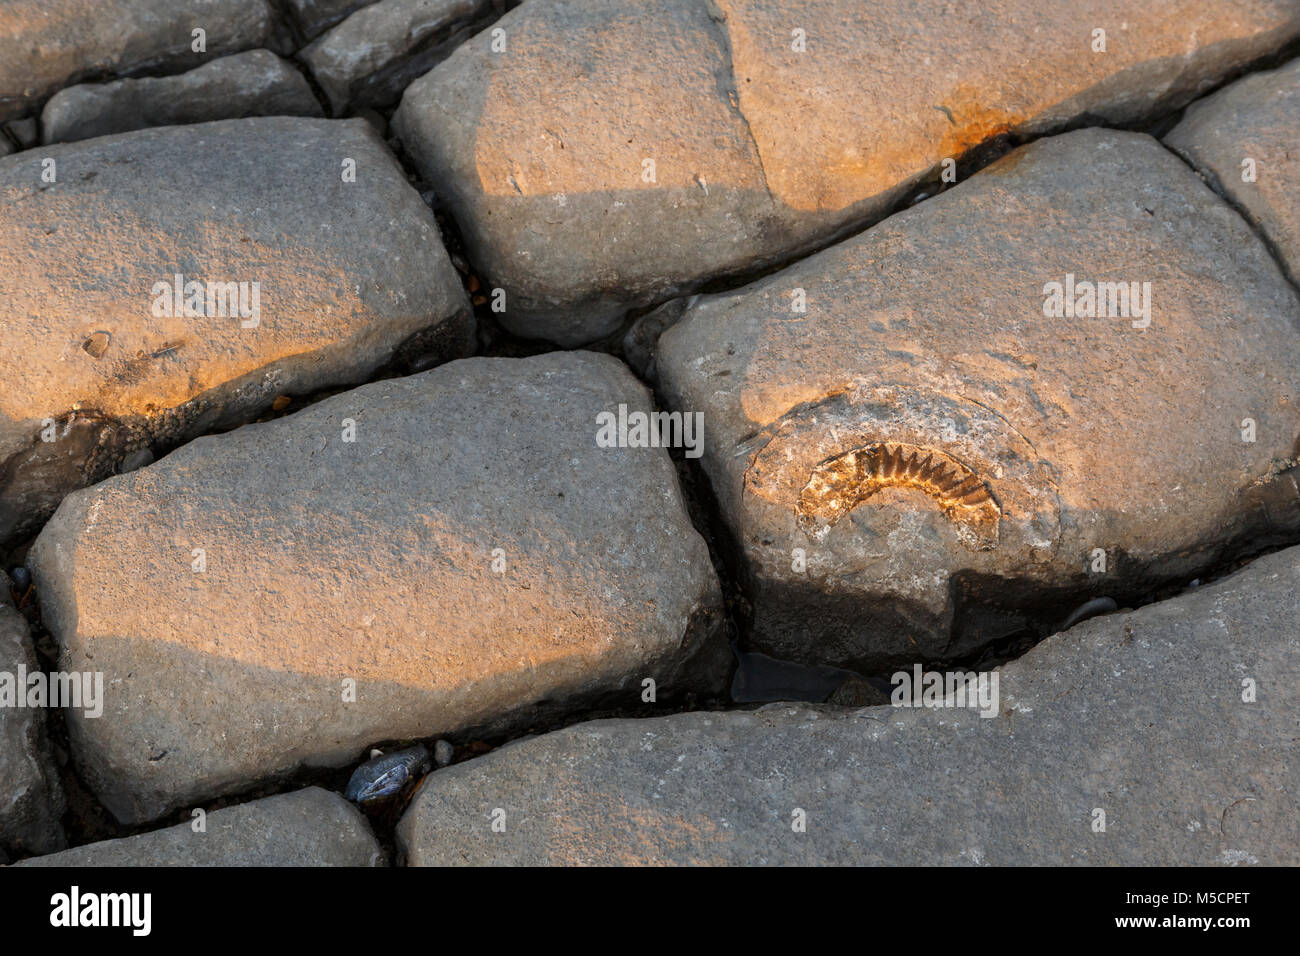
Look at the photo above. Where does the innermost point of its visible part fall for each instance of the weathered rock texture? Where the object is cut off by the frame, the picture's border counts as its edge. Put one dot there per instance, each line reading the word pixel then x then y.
pixel 947 459
pixel 542 150
pixel 48 44
pixel 31 800
pixel 369 58
pixel 311 827
pixel 372 561
pixel 1251 130
pixel 256 83
pixel 347 274
pixel 1138 715
pixel 316 16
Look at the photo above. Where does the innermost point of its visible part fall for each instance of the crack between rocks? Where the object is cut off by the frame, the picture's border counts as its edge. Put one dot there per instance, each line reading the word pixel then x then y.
pixel 1215 185
pixel 722 35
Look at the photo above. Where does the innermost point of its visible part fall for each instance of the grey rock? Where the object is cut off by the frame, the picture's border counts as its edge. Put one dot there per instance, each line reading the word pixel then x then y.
pixel 443 753
pixel 372 561
pixel 1257 121
pixel 369 58
pixel 311 827
pixel 256 83
pixel 1035 442
pixel 314 17
pixel 1139 715
pixel 24 132
pixel 45 46
pixel 760 151
pixel 761 678
pixel 31 799
pixel 348 274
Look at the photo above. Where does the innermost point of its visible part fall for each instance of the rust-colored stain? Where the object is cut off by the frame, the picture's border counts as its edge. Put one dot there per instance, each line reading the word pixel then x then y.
pixel 971 123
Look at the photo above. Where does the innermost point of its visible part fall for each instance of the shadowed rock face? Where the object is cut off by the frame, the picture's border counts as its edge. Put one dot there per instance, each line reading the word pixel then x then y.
pixel 1244 138
pixel 1140 716
pixel 772 126
pixel 48 44
pixel 316 16
pixel 311 827
pixel 926 347
pixel 373 55
pixel 256 83
pixel 31 800
pixel 472 559
pixel 99 360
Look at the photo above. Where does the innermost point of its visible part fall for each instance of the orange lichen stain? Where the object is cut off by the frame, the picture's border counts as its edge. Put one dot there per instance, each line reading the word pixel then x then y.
pixel 971 123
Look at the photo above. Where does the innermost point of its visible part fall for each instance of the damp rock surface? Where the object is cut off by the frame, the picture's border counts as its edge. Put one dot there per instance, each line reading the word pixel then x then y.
pixel 31 798
pixel 927 455
pixel 48 44
pixel 412 558
pixel 256 83
pixel 747 132
pixel 1245 139
pixel 1133 722
pixel 311 827
pixel 173 280
pixel 369 58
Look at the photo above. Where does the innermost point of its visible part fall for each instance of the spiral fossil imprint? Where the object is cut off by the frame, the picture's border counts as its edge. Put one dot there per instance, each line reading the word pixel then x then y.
pixel 841 483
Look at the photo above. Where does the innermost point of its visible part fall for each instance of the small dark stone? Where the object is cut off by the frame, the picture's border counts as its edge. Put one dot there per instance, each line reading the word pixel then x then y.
pixel 135 460
pixel 386 775
pixel 21 577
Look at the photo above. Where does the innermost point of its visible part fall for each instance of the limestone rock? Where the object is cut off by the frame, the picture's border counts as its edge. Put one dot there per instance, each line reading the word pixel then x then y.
pixel 1140 716
pixel 304 280
pixel 923 460
pixel 256 83
pixel 369 58
pixel 600 155
pixel 31 799
pixel 311 827
pixel 49 44
pixel 473 559
pixel 1249 131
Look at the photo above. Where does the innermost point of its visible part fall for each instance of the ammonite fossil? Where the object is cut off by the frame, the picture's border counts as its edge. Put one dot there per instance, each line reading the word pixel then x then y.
pixel 842 482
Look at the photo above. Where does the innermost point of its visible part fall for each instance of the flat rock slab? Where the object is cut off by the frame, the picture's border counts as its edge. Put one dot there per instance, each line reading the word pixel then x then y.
pixel 923 461
pixel 1245 139
pixel 1139 716
pixel 473 558
pixel 311 827
pixel 48 44
pixel 303 280
pixel 602 154
pixel 369 58
pixel 31 799
pixel 256 83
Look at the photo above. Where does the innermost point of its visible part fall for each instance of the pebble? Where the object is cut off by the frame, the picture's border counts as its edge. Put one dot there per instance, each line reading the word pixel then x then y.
pixel 387 774
pixel 21 577
pixel 1101 605
pixel 137 459
pixel 443 752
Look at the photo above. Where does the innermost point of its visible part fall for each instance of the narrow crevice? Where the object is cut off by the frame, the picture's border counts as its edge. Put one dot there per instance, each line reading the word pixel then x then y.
pixel 1212 181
